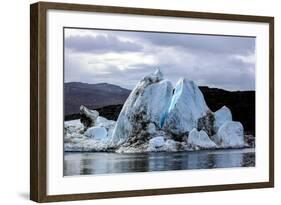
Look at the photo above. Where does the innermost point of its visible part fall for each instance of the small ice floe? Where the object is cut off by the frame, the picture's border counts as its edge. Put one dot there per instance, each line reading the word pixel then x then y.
pixel 160 144
pixel 97 133
pixel 200 139
pixel 230 135
pixel 76 139
pixel 156 143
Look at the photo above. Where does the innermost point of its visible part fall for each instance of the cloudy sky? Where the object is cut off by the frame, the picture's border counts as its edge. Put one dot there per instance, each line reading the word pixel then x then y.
pixel 123 58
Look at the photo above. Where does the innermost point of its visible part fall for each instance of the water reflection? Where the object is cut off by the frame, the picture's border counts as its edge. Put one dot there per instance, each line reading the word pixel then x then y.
pixel 104 163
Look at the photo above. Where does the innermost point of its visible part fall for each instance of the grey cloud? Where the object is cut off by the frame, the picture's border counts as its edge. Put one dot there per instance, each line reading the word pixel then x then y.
pixel 201 43
pixel 127 77
pixel 208 60
pixel 193 42
pixel 223 74
pixel 217 70
pixel 100 44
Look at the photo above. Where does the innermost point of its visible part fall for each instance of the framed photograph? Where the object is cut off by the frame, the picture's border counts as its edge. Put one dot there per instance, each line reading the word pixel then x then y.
pixel 135 102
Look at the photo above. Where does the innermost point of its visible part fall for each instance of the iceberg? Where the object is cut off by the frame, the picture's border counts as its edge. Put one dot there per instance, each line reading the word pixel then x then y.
pixel 98 133
pixel 76 140
pixel 172 146
pixel 156 117
pixel 156 142
pixel 186 107
pixel 88 117
pixel 200 139
pixel 73 126
pixel 221 116
pixel 107 124
pixel 85 144
pixel 148 103
pixel 160 144
pixel 230 135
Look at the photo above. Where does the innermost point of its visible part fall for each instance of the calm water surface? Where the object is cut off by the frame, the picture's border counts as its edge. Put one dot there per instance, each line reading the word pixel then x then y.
pixel 76 163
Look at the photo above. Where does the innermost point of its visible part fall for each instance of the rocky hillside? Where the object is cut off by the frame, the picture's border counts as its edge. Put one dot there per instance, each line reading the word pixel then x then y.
pixel 92 95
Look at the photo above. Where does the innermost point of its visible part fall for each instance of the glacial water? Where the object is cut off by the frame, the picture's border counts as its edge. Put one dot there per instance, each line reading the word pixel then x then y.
pixel 88 163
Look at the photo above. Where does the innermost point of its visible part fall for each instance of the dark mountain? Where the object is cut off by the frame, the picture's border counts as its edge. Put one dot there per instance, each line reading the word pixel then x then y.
pixel 92 96
pixel 108 100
